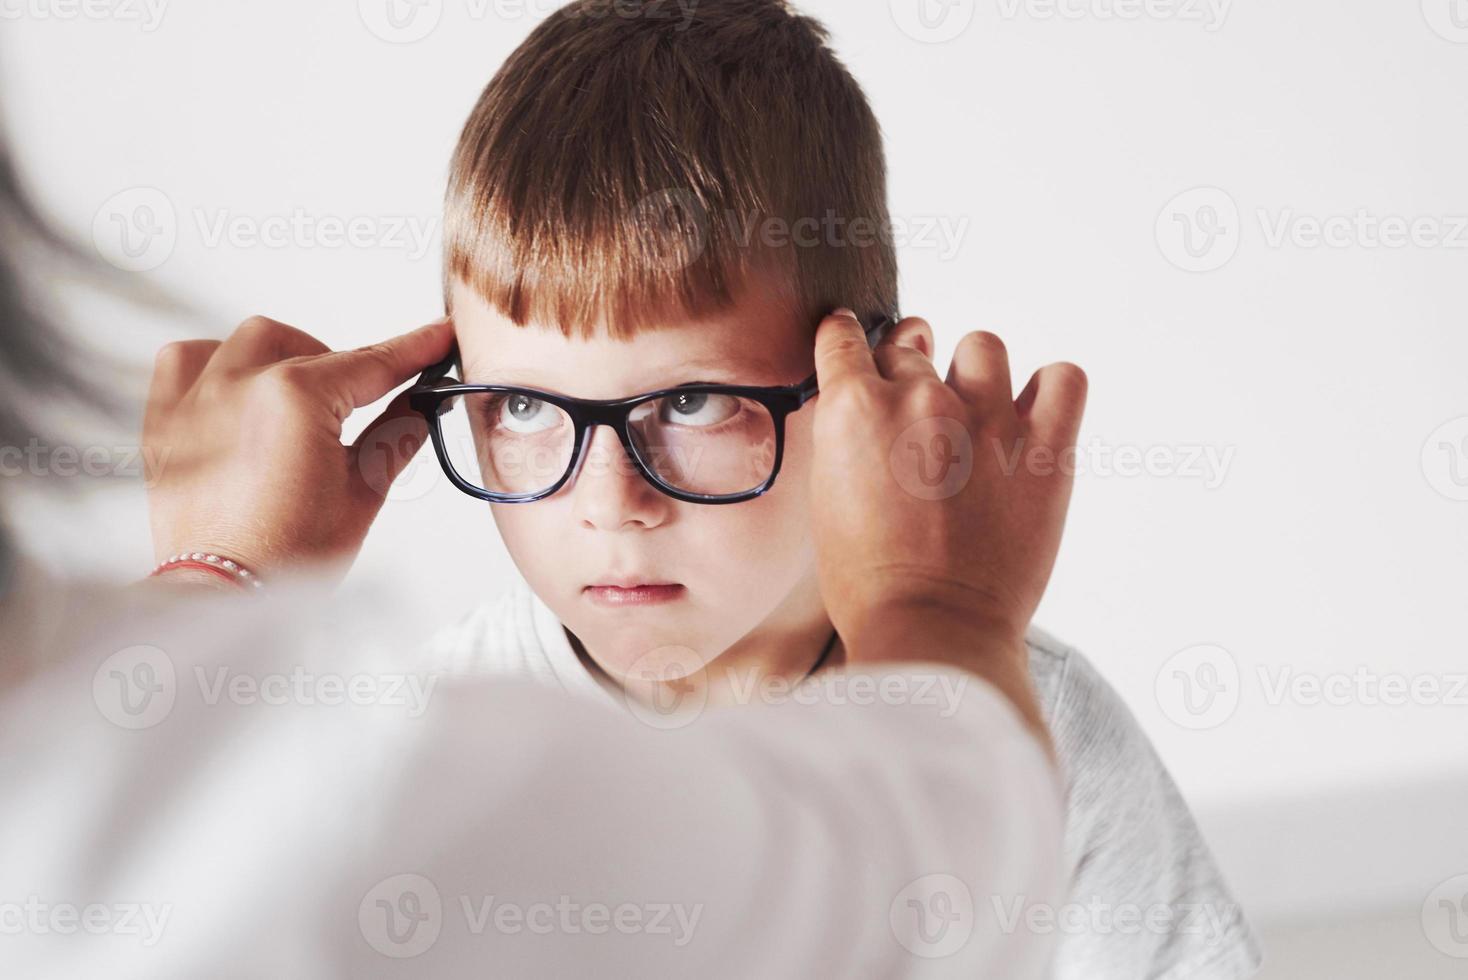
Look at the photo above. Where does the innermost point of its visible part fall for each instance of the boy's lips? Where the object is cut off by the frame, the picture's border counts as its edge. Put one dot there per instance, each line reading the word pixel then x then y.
pixel 630 591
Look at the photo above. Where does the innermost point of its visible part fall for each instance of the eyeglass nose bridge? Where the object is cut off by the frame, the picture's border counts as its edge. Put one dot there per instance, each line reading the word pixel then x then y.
pixel 615 418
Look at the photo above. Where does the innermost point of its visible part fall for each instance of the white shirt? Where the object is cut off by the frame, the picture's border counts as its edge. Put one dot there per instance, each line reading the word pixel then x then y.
pixel 231 788
pixel 1145 897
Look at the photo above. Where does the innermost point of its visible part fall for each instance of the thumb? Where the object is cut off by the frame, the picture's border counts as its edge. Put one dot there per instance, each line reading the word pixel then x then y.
pixel 842 351
pixel 362 376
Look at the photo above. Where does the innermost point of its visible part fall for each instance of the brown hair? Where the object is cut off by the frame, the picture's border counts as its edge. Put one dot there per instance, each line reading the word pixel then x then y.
pixel 632 163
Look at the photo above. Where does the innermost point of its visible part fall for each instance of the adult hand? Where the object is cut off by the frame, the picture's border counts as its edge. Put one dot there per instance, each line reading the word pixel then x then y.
pixel 247 435
pixel 942 501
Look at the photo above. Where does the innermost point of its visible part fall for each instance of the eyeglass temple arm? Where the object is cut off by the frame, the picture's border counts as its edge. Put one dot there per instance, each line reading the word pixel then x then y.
pixel 437 372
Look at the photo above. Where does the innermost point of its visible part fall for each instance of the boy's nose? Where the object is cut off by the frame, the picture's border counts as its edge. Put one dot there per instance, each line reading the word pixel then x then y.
pixel 609 493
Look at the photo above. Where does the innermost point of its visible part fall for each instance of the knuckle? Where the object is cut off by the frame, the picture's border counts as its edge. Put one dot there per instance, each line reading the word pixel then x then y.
pixel 930 396
pixel 257 327
pixel 170 355
pixel 858 396
pixel 283 382
pixel 888 356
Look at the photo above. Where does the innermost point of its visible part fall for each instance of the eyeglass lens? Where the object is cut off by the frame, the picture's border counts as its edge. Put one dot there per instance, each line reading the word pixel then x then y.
pixel 711 444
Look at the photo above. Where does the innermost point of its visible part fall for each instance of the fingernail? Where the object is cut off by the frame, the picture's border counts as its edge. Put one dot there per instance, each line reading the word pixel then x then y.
pixel 844 311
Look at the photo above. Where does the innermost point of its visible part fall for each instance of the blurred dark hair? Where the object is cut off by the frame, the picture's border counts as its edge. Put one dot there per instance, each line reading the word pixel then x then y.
pixel 40 367
pixel 36 359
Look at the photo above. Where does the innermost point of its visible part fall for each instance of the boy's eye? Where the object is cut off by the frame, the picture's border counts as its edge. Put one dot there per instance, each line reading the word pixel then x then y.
pixel 521 413
pixel 698 409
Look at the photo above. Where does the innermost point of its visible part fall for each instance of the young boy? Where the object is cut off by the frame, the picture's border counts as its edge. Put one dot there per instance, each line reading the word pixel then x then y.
pixel 638 204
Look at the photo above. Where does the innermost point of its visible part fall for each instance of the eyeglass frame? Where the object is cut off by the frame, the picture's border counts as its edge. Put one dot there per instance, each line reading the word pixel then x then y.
pixel 429 397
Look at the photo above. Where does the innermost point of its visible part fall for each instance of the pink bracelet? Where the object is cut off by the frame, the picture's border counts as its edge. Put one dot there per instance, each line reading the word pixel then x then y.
pixel 226 568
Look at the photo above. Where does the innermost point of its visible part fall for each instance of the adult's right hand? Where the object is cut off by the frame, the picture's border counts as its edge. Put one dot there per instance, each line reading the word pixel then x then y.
pixel 245 436
pixel 941 501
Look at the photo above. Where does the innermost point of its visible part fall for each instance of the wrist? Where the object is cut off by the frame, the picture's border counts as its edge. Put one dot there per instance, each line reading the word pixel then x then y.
pixel 920 632
pixel 907 629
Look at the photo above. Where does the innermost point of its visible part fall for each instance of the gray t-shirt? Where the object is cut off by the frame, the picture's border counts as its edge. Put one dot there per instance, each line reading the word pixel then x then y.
pixel 1147 901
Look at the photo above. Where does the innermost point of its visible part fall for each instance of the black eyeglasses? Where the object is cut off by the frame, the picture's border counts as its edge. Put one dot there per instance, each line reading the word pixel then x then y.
pixel 701 443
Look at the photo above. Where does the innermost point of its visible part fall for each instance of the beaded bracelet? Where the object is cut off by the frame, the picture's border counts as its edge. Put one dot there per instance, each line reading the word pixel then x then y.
pixel 226 568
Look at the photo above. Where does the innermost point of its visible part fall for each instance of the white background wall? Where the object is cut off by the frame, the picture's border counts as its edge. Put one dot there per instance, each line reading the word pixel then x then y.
pixel 1053 148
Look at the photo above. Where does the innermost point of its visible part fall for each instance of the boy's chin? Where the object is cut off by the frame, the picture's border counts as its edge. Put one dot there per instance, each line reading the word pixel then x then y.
pixel 645 654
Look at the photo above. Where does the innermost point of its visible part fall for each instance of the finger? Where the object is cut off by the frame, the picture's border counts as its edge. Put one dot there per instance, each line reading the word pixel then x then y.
pixel 261 341
pixel 1053 404
pixel 980 373
pixel 176 368
pixel 362 376
pixel 388 444
pixel 900 362
pixel 842 352
pixel 913 332
pixel 906 352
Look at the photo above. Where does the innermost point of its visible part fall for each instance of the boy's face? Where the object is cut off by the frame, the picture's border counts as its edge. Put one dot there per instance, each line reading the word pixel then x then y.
pixel 737 566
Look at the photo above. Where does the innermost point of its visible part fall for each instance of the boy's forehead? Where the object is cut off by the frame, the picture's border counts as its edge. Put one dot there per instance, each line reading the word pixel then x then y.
pixel 744 344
